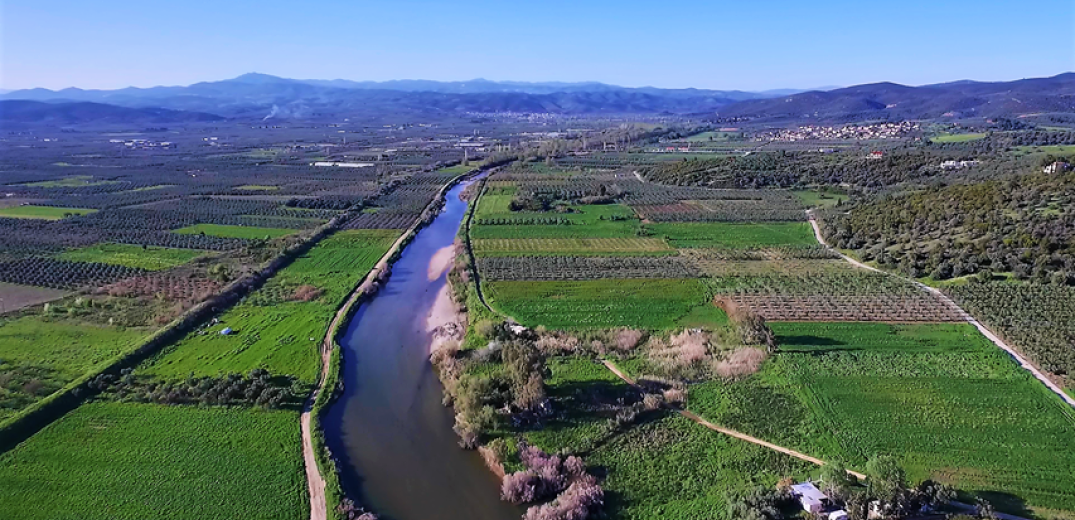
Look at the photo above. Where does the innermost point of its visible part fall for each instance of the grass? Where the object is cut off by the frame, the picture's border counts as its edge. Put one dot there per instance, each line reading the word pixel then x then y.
pixel 42 212
pixel 53 351
pixel 247 232
pixel 729 235
pixel 572 246
pixel 271 329
pixel 943 399
pixel 74 181
pixel 1057 149
pixel 149 258
pixel 458 169
pixel 257 187
pixel 151 188
pixel 585 222
pixel 706 137
pixel 958 138
pixel 596 304
pixel 126 461
pixel 665 467
pixel 820 198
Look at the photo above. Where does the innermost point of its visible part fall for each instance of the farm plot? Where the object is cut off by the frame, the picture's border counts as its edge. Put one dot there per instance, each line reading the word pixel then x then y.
pixel 14 297
pixel 148 258
pixel 42 212
pixel 382 221
pixel 231 231
pixel 734 235
pixel 1039 319
pixel 831 293
pixel 785 208
pixel 611 221
pixel 941 398
pixel 39 355
pixel 279 327
pixel 62 274
pixel 885 308
pixel 665 466
pixel 583 268
pixel 572 247
pixel 127 461
pixel 717 263
pixel 597 304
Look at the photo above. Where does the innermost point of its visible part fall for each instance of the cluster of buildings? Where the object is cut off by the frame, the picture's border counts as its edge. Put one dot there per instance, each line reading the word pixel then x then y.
pixel 857 132
pixel 958 165
pixel 142 144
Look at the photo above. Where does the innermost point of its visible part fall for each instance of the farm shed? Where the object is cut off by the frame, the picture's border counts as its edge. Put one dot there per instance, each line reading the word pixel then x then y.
pixel 811 498
pixel 226 331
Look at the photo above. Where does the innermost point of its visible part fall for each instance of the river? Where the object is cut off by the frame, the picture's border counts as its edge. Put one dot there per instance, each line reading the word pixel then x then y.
pixel 398 454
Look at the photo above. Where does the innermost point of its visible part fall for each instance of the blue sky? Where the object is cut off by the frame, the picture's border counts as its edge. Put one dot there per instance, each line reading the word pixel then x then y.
pixel 706 44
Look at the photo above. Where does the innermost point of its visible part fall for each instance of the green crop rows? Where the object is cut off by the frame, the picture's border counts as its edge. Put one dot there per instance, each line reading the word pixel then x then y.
pixel 149 258
pixel 596 304
pixel 39 355
pixel 942 398
pixel 126 461
pixel 226 231
pixel 272 328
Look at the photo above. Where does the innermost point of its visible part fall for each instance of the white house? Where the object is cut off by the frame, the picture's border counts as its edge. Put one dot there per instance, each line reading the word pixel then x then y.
pixel 811 498
pixel 1057 167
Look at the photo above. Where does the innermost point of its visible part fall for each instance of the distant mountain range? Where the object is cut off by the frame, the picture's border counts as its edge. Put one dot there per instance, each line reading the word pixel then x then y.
pixel 893 101
pixel 261 96
pixel 24 111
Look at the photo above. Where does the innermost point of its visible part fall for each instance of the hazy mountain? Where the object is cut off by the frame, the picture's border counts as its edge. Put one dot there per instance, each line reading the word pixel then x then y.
pixel 257 95
pixel 22 111
pixel 261 96
pixel 893 101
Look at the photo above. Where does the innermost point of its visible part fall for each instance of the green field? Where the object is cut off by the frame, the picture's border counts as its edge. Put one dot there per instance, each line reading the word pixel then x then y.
pixel 257 187
pixel 53 351
pixel 572 246
pixel 150 188
pixel 126 461
pixel 943 399
pixel 247 232
pixel 957 138
pixel 665 467
pixel 729 235
pixel 820 198
pixel 706 137
pixel 458 169
pixel 74 181
pixel 1060 149
pixel 597 304
pixel 42 212
pixel 585 222
pixel 149 258
pixel 271 328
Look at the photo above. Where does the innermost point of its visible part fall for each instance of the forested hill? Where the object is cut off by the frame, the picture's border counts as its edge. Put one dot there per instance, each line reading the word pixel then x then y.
pixel 21 111
pixel 896 102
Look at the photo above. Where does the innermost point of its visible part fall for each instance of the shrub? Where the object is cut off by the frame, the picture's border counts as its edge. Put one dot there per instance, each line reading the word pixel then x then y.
pixel 741 362
pixel 582 499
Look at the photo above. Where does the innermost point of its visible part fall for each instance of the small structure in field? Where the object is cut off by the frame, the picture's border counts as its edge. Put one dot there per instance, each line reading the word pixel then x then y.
pixel 226 331
pixel 812 499
pixel 839 514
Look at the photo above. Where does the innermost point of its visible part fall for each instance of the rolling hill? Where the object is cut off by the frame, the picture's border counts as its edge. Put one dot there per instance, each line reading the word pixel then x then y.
pixel 23 111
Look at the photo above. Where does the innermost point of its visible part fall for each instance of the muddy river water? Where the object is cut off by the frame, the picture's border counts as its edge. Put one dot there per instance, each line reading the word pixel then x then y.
pixel 399 456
